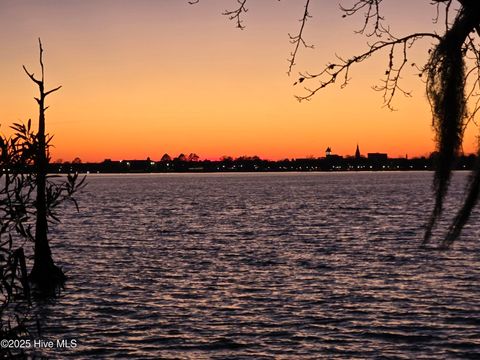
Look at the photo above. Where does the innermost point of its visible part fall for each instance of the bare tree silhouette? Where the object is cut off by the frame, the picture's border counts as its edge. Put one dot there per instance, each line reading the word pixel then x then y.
pixel 44 269
pixel 49 194
pixel 453 65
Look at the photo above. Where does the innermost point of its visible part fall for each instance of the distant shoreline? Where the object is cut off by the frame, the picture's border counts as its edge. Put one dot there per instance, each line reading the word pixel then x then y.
pixel 334 163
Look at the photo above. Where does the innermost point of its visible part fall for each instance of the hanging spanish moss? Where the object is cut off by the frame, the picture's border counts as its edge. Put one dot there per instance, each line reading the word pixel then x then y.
pixel 471 199
pixel 445 90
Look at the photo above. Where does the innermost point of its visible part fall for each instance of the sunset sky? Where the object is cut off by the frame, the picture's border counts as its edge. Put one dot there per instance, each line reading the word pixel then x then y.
pixel 147 77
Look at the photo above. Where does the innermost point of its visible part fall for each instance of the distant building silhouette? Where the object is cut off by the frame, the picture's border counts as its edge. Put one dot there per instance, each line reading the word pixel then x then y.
pixel 332 161
pixel 357 153
pixel 378 157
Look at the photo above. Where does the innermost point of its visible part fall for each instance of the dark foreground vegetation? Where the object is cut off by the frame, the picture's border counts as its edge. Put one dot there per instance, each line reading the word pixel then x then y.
pixel 29 198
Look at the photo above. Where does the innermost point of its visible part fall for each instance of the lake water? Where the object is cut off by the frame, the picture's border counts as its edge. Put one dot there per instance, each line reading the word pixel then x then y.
pixel 262 266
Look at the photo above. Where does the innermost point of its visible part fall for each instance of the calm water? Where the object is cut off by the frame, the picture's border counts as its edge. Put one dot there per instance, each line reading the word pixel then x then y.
pixel 262 266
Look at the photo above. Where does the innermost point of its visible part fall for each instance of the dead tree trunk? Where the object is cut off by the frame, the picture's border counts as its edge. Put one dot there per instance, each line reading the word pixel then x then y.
pixel 44 274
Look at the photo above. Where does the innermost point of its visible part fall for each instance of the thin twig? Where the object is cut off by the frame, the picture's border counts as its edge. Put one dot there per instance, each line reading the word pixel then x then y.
pixel 298 39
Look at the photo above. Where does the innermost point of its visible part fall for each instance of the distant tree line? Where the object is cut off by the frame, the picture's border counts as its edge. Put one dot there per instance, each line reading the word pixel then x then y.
pixel 182 163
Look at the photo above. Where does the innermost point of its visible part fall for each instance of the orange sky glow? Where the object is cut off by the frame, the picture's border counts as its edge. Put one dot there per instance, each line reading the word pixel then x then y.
pixel 141 78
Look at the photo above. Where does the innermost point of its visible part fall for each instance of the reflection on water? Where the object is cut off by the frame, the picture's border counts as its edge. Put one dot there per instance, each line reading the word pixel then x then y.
pixel 262 266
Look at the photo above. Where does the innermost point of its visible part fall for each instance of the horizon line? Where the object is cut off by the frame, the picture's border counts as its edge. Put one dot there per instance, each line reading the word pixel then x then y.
pixel 183 157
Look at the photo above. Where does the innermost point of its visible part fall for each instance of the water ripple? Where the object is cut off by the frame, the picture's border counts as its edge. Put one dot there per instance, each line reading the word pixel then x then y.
pixel 262 266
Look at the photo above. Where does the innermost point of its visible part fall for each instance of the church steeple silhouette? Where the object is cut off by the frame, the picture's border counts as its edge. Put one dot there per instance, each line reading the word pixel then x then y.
pixel 357 153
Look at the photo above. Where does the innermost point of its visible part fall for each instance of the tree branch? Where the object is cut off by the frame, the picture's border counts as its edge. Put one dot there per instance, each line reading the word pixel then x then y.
pixel 372 13
pixel 53 90
pixel 31 76
pixel 41 59
pixel 236 13
pixel 333 71
pixel 298 39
